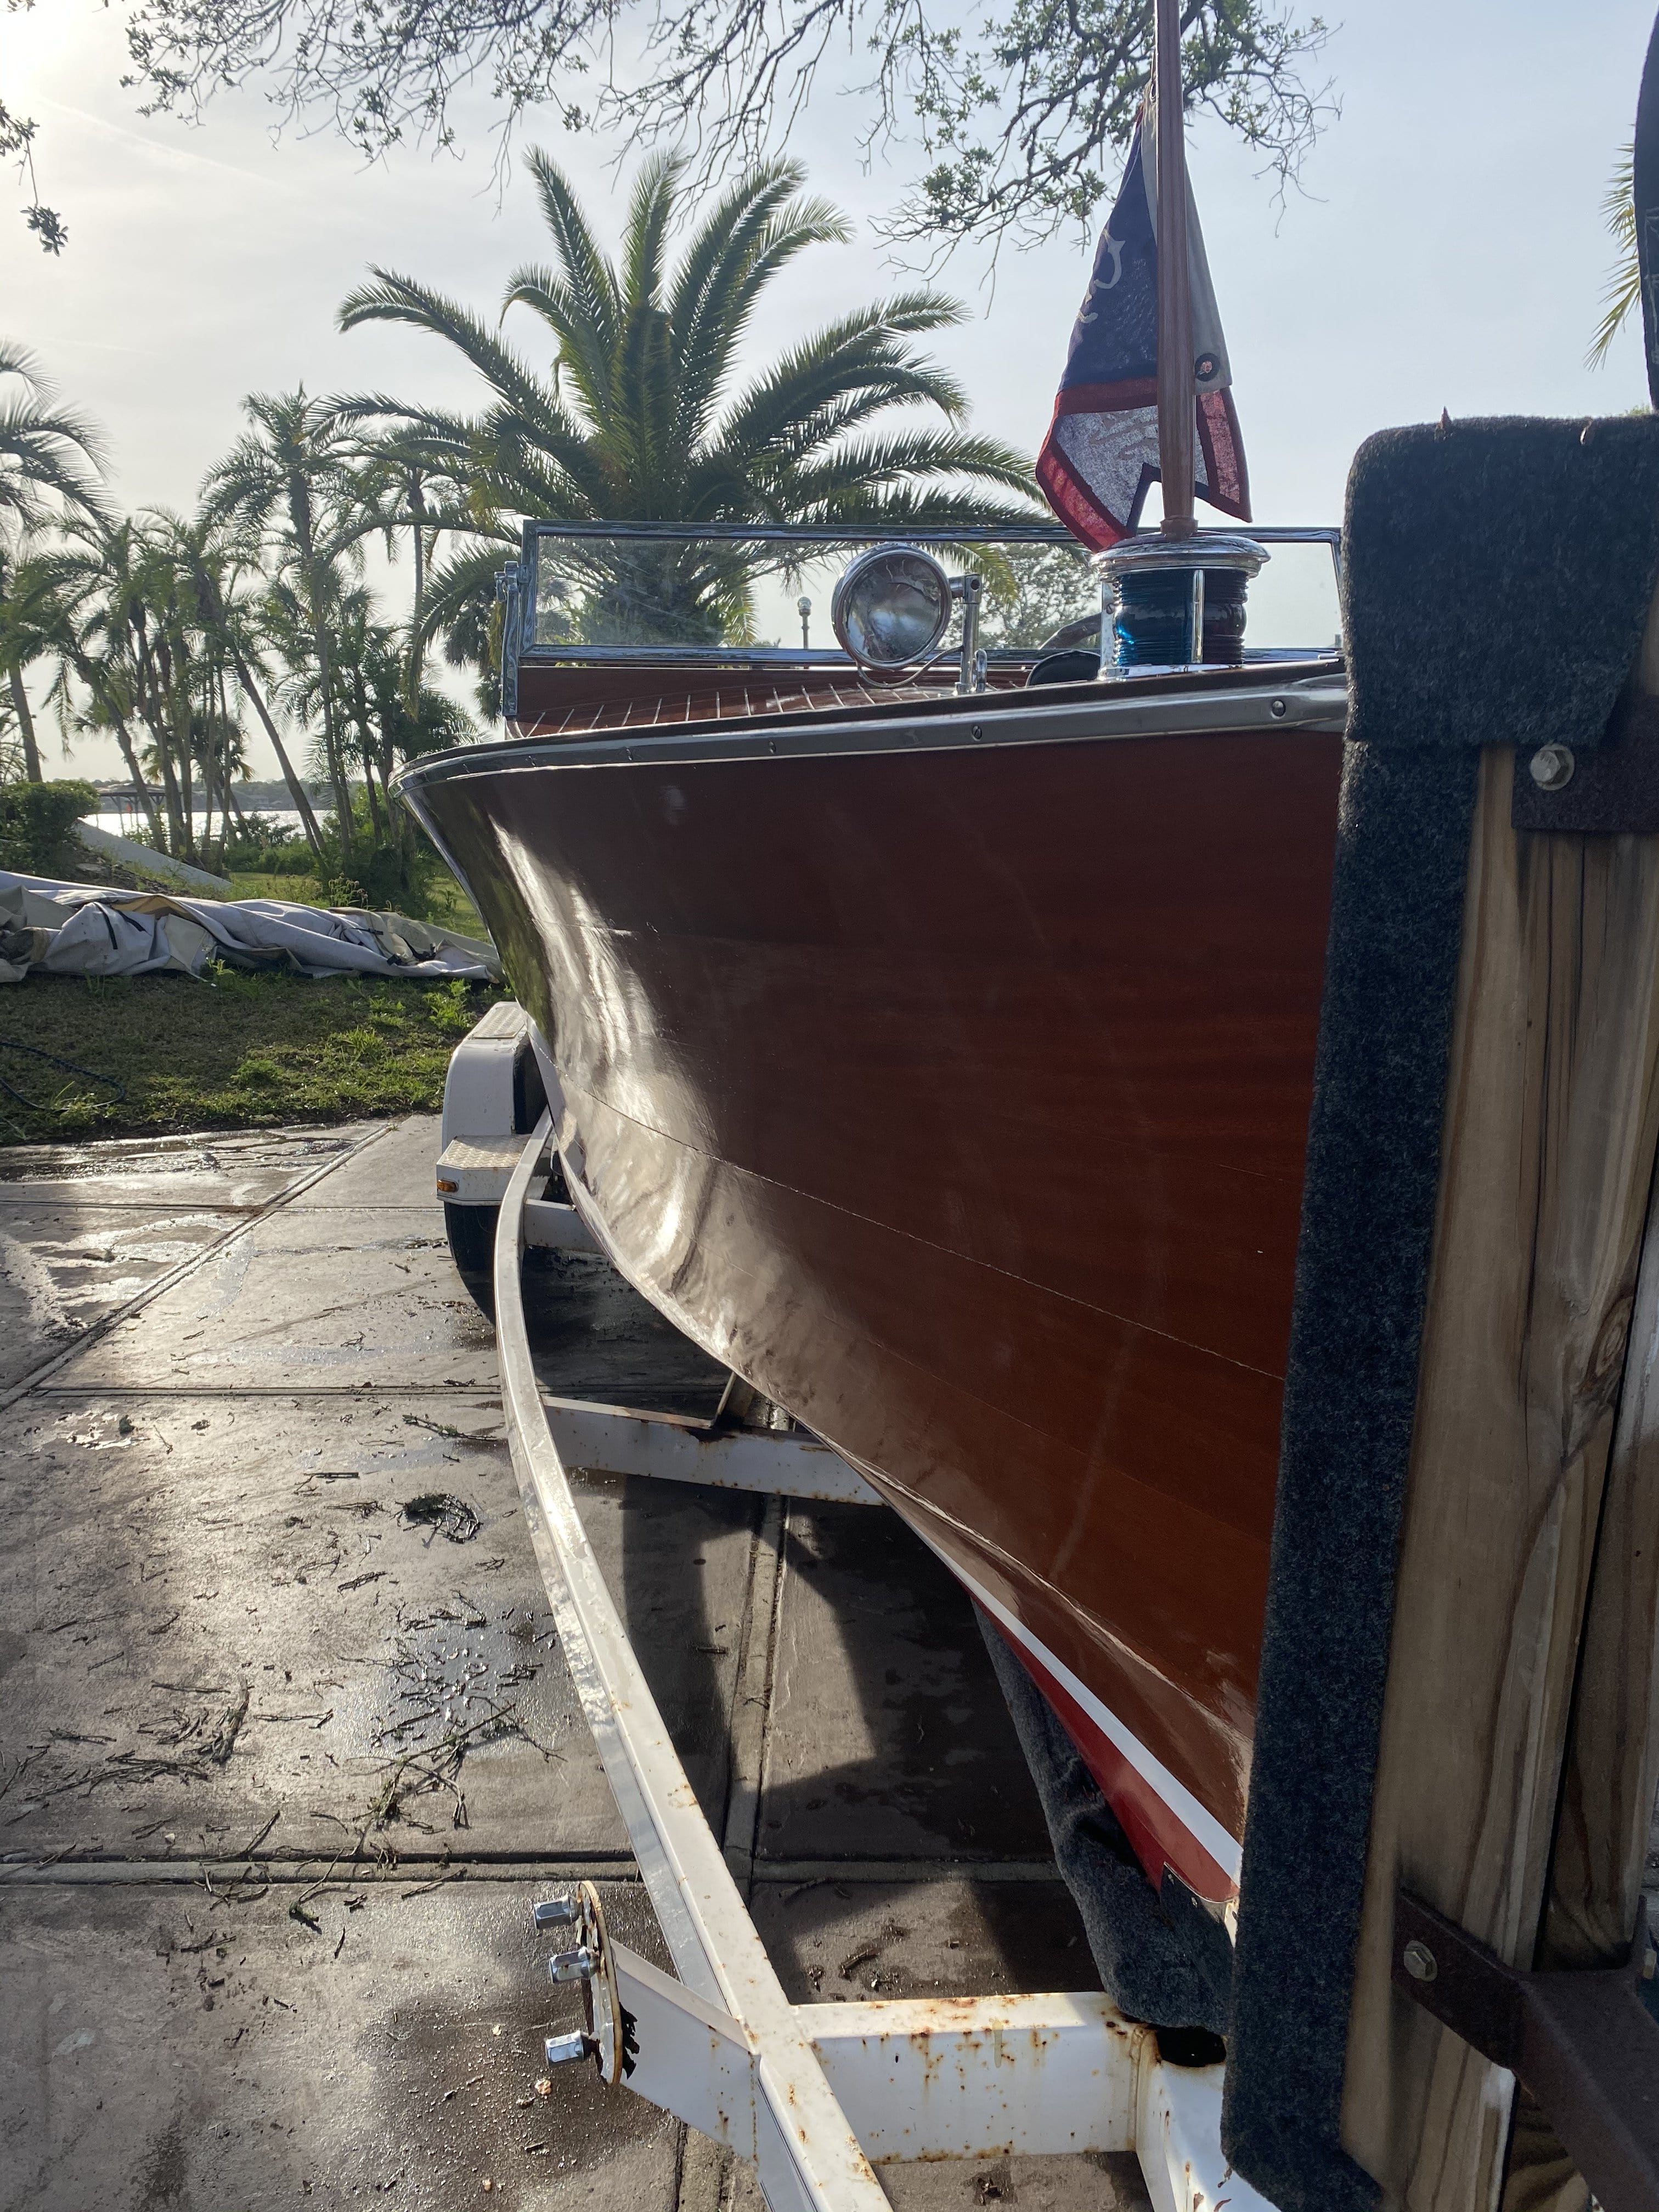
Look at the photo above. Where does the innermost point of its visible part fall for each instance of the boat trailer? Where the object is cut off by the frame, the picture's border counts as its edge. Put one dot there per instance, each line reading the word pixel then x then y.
pixel 815 2097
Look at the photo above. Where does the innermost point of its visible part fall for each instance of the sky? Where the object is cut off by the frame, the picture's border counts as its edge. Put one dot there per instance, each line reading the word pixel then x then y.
pixel 1447 249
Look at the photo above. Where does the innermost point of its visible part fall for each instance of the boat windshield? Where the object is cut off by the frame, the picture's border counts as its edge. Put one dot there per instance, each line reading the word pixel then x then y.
pixel 604 592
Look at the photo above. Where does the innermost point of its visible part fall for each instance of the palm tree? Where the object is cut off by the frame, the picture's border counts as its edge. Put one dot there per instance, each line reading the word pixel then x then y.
pixel 642 417
pixel 219 569
pixel 386 729
pixel 288 484
pixel 150 632
pixel 196 571
pixel 11 750
pixel 378 726
pixel 137 621
pixel 51 462
pixel 1623 288
pixel 403 488
pixel 83 624
pixel 30 617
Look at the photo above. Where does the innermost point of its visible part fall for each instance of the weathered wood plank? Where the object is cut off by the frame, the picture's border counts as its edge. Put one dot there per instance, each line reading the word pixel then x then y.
pixel 1612 1765
pixel 1612 1744
pixel 1552 1114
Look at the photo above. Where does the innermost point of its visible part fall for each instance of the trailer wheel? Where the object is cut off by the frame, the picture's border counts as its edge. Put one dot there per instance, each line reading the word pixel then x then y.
pixel 471 1233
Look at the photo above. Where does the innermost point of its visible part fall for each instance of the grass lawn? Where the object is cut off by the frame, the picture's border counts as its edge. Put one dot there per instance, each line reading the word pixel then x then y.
pixel 451 906
pixel 233 1051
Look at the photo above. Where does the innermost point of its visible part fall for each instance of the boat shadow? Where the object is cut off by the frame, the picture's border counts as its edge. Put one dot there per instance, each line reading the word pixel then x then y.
pixel 898 1844
pixel 883 1757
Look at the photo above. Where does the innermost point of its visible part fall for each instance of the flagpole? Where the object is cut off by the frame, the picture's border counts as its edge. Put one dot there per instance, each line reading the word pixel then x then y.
pixel 1177 400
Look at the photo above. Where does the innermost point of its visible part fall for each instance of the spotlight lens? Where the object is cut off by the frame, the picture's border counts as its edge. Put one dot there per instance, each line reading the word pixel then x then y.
pixel 892 607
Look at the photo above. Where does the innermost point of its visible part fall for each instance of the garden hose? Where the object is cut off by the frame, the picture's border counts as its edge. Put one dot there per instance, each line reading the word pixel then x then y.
pixel 119 1090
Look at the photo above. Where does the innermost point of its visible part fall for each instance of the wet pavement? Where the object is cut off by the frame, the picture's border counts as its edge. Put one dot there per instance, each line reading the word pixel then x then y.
pixel 288 1744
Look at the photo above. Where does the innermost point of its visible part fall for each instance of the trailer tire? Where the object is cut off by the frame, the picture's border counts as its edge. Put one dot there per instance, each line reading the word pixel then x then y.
pixel 471 1233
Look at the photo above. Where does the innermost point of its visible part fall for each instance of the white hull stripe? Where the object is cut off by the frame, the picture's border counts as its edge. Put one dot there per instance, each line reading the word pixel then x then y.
pixel 1200 1823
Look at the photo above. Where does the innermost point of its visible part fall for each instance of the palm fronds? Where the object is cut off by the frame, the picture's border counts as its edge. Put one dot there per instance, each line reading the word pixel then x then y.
pixel 634 417
pixel 52 459
pixel 1623 288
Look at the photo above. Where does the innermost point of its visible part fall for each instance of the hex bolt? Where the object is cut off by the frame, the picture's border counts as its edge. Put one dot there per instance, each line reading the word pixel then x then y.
pixel 575 1966
pixel 1550 766
pixel 562 2049
pixel 1418 1962
pixel 556 1912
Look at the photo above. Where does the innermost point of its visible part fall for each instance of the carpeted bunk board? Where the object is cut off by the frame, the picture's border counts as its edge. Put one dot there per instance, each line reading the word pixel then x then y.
pixel 1461 1417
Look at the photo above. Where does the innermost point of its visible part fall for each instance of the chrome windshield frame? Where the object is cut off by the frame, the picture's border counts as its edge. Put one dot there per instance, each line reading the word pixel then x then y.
pixel 520 584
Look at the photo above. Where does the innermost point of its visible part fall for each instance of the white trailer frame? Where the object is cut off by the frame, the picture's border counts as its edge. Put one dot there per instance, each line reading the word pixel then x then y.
pixel 813 2096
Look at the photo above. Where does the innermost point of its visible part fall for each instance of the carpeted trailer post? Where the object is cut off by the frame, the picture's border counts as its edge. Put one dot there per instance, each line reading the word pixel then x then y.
pixel 1480 1150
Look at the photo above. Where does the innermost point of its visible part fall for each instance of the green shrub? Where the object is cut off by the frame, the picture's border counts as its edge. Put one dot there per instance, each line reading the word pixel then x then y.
pixel 37 827
pixel 391 869
pixel 264 847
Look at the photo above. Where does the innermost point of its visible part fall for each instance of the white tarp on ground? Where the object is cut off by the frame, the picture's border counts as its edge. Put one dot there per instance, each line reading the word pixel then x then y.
pixel 90 929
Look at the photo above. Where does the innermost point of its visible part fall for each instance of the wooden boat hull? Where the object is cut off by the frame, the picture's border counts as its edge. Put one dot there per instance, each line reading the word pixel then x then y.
pixel 957 1098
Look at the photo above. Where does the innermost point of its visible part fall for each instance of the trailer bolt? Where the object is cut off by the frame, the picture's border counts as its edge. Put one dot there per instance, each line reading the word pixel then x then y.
pixel 561 2050
pixel 554 1912
pixel 1551 766
pixel 575 1966
pixel 1418 1962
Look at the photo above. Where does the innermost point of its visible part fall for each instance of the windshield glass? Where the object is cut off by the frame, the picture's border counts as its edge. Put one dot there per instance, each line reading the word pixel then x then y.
pixel 647 591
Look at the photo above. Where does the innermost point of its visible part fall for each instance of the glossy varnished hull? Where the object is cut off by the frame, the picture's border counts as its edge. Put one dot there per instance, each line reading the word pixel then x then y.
pixel 957 1099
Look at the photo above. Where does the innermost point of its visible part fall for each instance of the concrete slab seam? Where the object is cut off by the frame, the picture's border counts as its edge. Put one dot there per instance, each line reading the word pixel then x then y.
pixel 600 1866
pixel 97 1330
pixel 208 1392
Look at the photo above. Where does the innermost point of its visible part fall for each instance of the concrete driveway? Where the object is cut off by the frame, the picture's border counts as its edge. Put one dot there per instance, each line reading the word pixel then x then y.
pixel 288 1746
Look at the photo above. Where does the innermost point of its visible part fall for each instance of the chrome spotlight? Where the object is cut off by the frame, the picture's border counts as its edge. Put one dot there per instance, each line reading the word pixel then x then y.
pixel 892 608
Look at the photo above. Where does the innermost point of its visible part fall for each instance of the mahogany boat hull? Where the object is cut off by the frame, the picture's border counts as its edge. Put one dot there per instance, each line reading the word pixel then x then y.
pixel 956 1095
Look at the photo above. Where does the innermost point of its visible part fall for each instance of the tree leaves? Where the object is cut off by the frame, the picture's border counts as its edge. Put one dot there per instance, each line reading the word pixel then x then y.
pixel 1622 292
pixel 17 136
pixel 636 420
pixel 1020 110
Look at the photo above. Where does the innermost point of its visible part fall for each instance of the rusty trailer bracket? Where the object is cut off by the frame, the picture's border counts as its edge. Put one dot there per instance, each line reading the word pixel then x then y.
pixel 1582 2041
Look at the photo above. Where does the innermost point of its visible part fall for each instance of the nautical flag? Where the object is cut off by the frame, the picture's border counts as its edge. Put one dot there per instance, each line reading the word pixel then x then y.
pixel 1101 452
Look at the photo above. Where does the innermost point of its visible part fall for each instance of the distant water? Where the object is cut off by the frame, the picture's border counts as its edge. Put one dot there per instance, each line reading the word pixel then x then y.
pixel 127 825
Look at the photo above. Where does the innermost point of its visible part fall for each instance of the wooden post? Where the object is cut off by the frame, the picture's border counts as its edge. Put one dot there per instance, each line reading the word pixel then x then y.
pixel 1176 398
pixel 1601 1829
pixel 1532 1449
pixel 1613 1753
pixel 1612 1763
